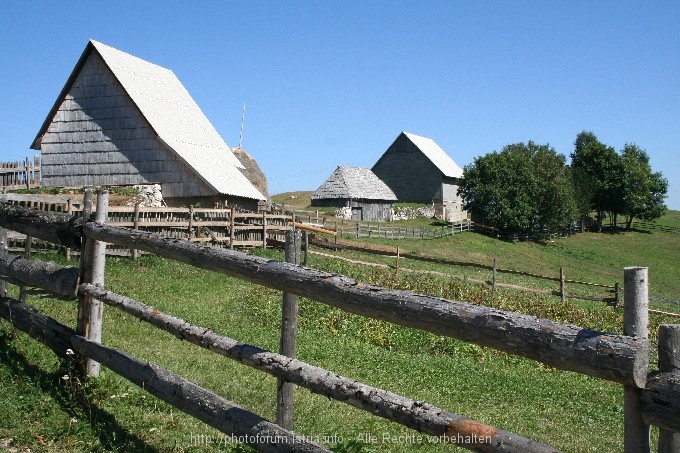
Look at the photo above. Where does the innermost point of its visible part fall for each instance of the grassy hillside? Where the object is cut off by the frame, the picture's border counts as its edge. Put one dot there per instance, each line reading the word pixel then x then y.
pixel 52 411
pixel 293 200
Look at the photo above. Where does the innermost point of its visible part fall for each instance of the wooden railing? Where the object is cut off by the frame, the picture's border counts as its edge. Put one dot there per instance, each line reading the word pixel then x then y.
pixel 356 229
pixel 619 358
pixel 219 227
pixel 20 175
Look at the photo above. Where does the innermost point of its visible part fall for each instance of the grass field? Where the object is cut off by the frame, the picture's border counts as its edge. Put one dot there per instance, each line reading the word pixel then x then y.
pixel 51 410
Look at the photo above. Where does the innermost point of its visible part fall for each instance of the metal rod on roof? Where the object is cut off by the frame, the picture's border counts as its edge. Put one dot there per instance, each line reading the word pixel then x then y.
pixel 243 120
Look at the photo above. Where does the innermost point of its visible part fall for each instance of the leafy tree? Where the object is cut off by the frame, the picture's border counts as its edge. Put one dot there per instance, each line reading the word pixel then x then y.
pixel 643 191
pixel 523 188
pixel 599 169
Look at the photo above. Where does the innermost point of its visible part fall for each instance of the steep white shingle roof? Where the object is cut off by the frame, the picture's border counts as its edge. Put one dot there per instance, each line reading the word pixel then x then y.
pixel 437 155
pixel 354 183
pixel 176 119
pixel 179 121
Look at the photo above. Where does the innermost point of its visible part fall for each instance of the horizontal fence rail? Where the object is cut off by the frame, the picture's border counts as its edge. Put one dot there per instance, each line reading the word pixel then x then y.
pixel 385 251
pixel 612 357
pixel 559 345
pixel 417 415
pixel 206 406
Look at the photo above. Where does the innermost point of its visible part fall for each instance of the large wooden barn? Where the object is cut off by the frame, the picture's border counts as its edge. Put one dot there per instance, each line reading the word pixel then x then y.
pixel 120 120
pixel 419 171
pixel 358 190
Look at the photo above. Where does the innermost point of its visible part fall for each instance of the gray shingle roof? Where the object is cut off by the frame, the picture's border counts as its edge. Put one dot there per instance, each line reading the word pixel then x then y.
pixel 175 117
pixel 354 183
pixel 437 155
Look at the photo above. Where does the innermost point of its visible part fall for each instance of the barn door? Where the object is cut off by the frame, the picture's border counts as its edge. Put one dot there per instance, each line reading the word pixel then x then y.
pixel 357 214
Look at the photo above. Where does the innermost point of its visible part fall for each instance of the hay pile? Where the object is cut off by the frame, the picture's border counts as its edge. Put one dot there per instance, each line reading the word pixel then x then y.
pixel 252 171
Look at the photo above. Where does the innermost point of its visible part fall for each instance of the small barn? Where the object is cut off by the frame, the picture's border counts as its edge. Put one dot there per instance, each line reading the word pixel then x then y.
pixel 419 171
pixel 359 191
pixel 120 120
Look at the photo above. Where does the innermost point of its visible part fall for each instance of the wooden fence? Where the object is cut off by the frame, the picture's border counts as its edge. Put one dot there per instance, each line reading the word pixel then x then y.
pixel 356 229
pixel 20 175
pixel 619 358
pixel 614 291
pixel 218 227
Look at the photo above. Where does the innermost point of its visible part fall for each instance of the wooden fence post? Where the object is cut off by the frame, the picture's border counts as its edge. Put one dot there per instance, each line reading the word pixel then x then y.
pixel 85 267
pixel 28 180
pixel 669 347
pixel 493 278
pixel 396 267
pixel 69 211
pixel 191 222
pixel 231 228
pixel 93 259
pixel 27 255
pixel 3 250
pixel 135 252
pixel 562 291
pixel 306 247
pixel 635 324
pixel 289 327
pixel 617 294
pixel 264 231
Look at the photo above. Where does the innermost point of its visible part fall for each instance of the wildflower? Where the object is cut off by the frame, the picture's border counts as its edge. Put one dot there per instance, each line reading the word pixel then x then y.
pixel 70 352
pixel 65 377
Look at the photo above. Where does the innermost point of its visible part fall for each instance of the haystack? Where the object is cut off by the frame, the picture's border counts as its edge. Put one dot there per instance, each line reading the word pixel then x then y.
pixel 252 171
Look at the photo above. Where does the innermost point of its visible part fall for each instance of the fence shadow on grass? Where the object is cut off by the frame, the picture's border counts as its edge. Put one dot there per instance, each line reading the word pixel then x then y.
pixel 111 435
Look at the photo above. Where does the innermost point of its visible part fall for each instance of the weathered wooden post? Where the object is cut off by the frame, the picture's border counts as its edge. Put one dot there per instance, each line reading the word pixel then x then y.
pixel 3 250
pixel 264 231
pixel 306 247
pixel 135 252
pixel 396 267
pixel 191 222
pixel 617 294
pixel 69 211
pixel 635 324
pixel 28 170
pixel 669 360
pixel 93 259
pixel 85 267
pixel 27 255
pixel 289 327
pixel 562 292
pixel 493 278
pixel 231 228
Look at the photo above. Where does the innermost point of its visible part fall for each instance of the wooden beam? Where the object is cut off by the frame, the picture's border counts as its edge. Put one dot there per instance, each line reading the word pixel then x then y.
pixel 564 346
pixel 57 279
pixel 55 227
pixel 302 226
pixel 196 401
pixel 417 415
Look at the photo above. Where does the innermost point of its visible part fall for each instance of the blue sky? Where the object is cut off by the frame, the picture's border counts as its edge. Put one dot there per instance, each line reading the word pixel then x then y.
pixel 330 83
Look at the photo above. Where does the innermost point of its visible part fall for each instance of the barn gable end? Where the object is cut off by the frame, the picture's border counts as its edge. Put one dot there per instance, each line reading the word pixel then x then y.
pixel 419 171
pixel 121 120
pixel 99 137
